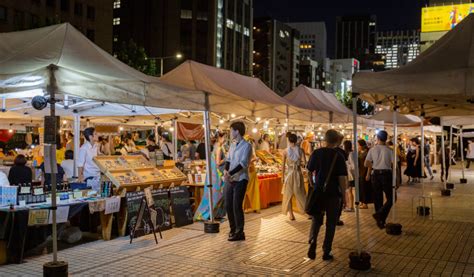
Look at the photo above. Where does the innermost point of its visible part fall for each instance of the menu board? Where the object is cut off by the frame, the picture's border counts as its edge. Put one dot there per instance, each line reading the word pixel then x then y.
pixel 181 206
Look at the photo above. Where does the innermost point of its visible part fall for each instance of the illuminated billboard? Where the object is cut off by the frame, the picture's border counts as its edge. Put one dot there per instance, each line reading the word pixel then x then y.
pixel 443 18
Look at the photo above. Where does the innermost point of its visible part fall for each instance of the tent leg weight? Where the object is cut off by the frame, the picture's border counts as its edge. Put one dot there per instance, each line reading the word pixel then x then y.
pixel 394 229
pixel 55 269
pixel 463 181
pixel 211 227
pixel 423 211
pixel 445 192
pixel 359 262
pixel 450 186
pixel 435 171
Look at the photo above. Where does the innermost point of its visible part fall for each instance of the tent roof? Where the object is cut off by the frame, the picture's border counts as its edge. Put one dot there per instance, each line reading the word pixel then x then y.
pixel 438 82
pixel 315 99
pixel 387 117
pixel 230 92
pixel 466 121
pixel 83 70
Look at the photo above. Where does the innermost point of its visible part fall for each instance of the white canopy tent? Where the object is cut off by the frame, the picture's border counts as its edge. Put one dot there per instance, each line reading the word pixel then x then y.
pixel 387 117
pixel 439 82
pixel 315 99
pixel 80 69
pixel 230 92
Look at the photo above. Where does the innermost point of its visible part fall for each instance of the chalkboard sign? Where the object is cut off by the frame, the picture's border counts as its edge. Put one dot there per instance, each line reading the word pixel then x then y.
pixel 144 221
pixel 162 208
pixel 181 206
pixel 162 219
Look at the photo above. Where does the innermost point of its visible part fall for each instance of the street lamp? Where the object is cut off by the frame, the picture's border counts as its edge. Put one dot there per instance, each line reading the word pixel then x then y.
pixel 178 56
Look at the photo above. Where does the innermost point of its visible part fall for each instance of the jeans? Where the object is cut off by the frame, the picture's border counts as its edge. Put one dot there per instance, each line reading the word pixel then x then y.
pixel 234 198
pixel 427 165
pixel 331 207
pixel 382 183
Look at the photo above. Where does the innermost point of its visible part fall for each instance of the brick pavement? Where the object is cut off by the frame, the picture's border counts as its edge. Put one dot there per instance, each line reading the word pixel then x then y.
pixel 442 246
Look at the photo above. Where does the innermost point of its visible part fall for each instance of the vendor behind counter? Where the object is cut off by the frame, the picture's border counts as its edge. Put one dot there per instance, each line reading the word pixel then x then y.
pixel 20 173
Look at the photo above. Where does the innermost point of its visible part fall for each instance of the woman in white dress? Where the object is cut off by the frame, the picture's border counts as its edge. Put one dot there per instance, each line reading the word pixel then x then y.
pixel 292 175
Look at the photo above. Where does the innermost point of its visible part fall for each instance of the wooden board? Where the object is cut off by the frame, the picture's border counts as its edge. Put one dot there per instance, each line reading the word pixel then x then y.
pixel 181 206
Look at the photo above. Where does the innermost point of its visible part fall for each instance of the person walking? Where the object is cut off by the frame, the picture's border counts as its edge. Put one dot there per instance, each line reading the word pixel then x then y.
pixel 293 185
pixel 427 158
pixel 447 161
pixel 379 162
pixel 328 165
pixel 236 176
pixel 349 195
pixel 470 152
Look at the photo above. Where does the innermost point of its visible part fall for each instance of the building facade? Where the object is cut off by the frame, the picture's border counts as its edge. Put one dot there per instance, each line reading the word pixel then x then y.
pixel 276 55
pixel 339 74
pixel 313 40
pixel 92 17
pixel 356 38
pixel 398 47
pixel 214 32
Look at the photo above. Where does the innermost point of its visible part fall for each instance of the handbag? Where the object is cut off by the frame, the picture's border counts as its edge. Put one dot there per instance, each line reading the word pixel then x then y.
pixel 316 195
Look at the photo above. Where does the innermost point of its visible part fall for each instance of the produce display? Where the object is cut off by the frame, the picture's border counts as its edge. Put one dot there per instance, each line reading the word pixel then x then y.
pixel 269 158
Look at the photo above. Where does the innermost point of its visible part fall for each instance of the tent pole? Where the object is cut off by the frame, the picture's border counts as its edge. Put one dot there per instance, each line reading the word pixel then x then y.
pixel 450 146
pixel 394 171
pixel 443 157
pixel 356 171
pixel 207 137
pixel 175 139
pixel 77 137
pixel 156 134
pixel 422 153
pixel 52 88
pixel 462 153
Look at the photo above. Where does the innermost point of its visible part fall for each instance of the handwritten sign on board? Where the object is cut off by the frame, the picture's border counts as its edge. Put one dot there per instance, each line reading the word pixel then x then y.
pixel 38 217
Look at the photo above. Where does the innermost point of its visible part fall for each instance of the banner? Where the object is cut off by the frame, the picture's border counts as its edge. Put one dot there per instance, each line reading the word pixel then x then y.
pixel 444 18
pixel 189 131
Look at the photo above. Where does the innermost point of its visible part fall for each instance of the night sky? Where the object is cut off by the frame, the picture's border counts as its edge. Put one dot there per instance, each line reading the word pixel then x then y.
pixel 391 14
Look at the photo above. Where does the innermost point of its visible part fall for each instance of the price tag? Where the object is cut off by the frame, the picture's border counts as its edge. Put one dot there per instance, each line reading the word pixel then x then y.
pixel 77 194
pixel 25 190
pixel 112 205
pixel 38 191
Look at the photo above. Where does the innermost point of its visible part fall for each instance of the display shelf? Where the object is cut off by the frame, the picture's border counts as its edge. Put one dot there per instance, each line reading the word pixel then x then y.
pixel 268 158
pixel 125 177
pixel 134 162
pixel 106 163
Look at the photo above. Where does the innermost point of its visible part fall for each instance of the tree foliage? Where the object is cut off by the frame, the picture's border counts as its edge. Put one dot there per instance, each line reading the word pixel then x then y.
pixel 363 108
pixel 136 57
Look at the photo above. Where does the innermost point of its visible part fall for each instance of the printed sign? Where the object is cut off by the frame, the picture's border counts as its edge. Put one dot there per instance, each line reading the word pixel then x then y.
pixel 38 217
pixel 62 214
pixel 444 18
pixel 112 205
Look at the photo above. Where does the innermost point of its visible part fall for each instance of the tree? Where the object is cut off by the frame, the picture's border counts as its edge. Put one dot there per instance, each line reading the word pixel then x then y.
pixel 136 57
pixel 363 108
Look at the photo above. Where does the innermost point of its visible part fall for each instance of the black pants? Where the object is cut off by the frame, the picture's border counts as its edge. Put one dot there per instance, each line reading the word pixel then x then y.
pixel 443 172
pixel 469 162
pixel 331 207
pixel 382 183
pixel 234 198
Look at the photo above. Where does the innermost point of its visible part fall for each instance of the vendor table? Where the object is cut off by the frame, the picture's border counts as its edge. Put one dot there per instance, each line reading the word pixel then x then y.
pixel 270 191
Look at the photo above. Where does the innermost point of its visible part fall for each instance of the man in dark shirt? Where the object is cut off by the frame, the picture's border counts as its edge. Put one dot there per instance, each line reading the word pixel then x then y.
pixel 319 166
pixel 201 151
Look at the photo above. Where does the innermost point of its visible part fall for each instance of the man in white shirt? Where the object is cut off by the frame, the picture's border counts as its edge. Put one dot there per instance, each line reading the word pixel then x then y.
pixel 379 164
pixel 89 172
pixel 236 176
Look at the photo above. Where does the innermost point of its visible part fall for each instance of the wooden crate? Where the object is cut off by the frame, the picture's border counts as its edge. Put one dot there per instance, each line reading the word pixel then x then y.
pixel 106 163
pixel 134 162
pixel 125 177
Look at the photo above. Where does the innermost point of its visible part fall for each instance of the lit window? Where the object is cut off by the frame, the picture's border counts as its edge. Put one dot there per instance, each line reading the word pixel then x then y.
pixel 246 31
pixel 230 24
pixel 116 21
pixel 116 4
pixel 186 14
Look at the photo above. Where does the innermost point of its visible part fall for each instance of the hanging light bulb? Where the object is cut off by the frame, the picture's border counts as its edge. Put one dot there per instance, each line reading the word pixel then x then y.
pixel 10 131
pixel 319 133
pixel 171 129
pixel 258 119
pixel 221 121
pixel 121 128
pixel 304 134
pixel 232 115
pixel 320 128
pixel 203 126
pixel 285 124
pixel 267 122
pixel 254 130
pixel 340 126
pixel 64 122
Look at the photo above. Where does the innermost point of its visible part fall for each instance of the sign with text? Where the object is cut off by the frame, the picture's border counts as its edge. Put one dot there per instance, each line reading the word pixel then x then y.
pixel 181 206
pixel 62 214
pixel 444 18
pixel 38 217
pixel 112 205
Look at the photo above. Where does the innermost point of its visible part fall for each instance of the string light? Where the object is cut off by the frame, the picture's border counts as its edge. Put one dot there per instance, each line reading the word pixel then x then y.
pixel 171 129
pixel 254 130
pixel 121 128
pixel 64 122
pixel 232 115
pixel 221 121
pixel 258 118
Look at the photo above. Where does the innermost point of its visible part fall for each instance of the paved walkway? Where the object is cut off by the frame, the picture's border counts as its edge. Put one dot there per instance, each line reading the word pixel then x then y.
pixel 440 246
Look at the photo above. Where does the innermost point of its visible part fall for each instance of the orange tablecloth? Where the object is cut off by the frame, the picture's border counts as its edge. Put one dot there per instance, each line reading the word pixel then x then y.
pixel 270 191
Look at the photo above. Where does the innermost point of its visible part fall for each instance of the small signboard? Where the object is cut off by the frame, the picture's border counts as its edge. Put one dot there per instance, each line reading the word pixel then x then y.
pixel 38 217
pixel 112 205
pixel 181 206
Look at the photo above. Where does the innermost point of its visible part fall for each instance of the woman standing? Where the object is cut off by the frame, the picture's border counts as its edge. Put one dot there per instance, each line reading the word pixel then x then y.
pixel 217 171
pixel 20 173
pixel 413 169
pixel 365 187
pixel 293 177
pixel 348 153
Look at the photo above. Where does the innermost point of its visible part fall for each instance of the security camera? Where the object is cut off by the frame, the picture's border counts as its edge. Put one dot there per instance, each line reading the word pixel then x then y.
pixel 39 102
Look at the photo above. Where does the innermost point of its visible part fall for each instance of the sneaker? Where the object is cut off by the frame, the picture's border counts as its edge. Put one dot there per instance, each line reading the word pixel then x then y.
pixel 328 257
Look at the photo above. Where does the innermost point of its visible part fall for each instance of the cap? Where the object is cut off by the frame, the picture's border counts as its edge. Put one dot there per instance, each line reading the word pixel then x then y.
pixel 382 135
